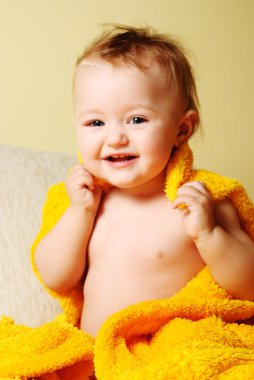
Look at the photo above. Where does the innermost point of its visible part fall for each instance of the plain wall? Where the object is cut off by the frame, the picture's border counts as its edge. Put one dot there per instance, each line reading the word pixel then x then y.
pixel 41 39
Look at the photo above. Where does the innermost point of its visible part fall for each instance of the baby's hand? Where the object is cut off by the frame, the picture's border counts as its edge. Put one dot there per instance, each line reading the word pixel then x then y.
pixel 82 191
pixel 198 209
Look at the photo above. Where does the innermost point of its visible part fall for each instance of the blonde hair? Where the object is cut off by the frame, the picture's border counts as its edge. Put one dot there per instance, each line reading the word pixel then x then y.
pixel 141 47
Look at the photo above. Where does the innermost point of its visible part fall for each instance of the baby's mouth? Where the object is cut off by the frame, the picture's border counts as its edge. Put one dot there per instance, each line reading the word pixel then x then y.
pixel 120 158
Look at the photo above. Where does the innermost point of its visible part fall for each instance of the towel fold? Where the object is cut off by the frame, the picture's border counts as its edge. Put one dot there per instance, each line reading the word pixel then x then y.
pixel 188 336
pixel 49 352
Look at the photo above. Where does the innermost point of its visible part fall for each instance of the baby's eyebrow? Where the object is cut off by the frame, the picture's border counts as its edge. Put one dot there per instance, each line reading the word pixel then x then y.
pixel 88 111
pixel 147 106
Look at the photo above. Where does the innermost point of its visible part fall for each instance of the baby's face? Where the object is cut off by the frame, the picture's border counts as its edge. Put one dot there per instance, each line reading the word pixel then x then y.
pixel 127 123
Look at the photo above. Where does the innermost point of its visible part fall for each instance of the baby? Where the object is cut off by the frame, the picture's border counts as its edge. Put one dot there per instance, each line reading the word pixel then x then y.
pixel 135 104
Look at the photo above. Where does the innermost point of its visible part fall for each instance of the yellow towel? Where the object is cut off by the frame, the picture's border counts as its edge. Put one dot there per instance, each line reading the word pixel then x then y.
pixel 49 352
pixel 194 335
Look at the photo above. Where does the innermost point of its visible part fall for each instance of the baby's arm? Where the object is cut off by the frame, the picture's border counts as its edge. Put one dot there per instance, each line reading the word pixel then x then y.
pixel 215 229
pixel 61 255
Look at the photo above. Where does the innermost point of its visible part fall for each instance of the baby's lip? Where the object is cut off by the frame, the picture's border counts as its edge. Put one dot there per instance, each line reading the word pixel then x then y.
pixel 118 157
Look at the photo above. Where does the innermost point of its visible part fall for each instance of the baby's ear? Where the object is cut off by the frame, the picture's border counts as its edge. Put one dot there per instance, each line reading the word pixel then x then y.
pixel 186 127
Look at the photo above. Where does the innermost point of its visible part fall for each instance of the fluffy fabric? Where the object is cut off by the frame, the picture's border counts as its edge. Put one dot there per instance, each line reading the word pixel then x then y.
pixel 54 349
pixel 186 337
pixel 194 335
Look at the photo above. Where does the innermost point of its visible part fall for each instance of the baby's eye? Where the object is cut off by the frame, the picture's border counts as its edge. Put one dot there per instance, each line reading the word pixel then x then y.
pixel 96 123
pixel 137 120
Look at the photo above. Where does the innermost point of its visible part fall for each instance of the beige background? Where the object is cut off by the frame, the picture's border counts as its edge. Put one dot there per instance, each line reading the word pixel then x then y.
pixel 40 40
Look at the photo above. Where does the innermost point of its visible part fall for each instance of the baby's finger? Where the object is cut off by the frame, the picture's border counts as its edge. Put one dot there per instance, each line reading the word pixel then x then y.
pixel 183 201
pixel 195 188
pixel 73 169
pixel 87 180
pixel 193 194
pixel 81 177
pixel 199 185
pixel 76 170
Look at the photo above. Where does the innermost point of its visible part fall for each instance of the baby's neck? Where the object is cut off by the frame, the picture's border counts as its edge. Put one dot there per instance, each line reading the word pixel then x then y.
pixel 151 189
pixel 133 196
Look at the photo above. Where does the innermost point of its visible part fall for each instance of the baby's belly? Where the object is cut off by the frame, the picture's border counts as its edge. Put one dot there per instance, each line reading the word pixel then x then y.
pixel 108 291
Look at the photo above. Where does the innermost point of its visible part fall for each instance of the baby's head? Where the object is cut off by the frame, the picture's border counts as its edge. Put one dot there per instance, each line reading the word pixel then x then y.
pixel 143 48
pixel 134 97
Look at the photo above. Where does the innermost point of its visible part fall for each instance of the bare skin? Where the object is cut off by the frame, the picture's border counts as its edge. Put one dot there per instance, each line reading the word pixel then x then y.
pixel 133 256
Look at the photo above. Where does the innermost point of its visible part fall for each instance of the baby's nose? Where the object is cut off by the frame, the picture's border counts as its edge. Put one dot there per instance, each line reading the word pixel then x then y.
pixel 116 136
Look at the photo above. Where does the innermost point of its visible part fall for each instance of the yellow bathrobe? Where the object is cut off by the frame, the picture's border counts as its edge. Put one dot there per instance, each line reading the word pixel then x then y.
pixel 200 333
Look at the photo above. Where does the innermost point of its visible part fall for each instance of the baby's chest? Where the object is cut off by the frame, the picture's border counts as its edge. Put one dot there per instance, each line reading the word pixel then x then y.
pixel 138 238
